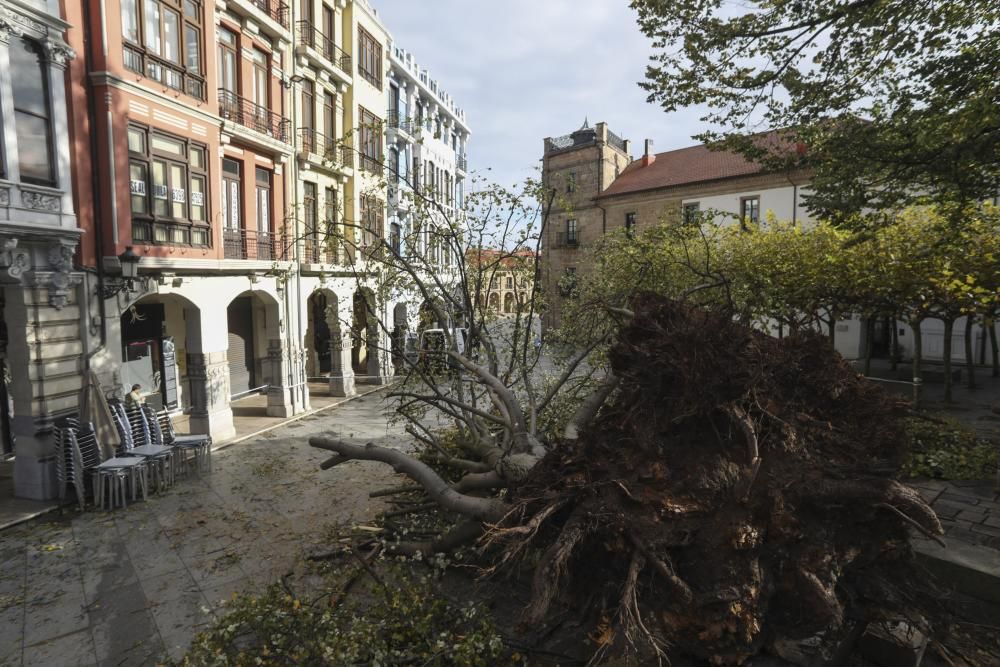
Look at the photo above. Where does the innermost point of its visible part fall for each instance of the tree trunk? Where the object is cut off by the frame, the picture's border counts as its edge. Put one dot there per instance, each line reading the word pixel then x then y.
pixel 833 329
pixel 949 328
pixel 970 360
pixel 869 335
pixel 918 356
pixel 894 346
pixel 994 348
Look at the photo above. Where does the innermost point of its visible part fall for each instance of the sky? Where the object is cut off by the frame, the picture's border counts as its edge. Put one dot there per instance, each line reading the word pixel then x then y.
pixel 524 70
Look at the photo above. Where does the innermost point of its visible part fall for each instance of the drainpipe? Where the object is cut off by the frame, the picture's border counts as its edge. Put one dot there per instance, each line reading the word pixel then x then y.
pixel 95 181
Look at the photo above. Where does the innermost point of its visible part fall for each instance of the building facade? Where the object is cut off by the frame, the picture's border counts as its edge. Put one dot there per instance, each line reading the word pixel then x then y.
pixel 600 188
pixel 238 147
pixel 44 322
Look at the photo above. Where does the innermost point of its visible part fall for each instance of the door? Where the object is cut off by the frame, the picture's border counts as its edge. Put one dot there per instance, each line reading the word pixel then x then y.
pixel 231 210
pixel 261 93
pixel 241 358
pixel 321 332
pixel 228 82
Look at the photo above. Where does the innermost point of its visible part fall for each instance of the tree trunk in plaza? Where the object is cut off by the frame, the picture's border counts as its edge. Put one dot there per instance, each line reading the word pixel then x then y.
pixel 949 328
pixel 991 327
pixel 869 335
pixel 894 346
pixel 970 358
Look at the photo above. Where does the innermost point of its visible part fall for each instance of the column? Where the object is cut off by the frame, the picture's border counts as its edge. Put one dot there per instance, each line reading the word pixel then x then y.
pixel 283 378
pixel 341 373
pixel 208 372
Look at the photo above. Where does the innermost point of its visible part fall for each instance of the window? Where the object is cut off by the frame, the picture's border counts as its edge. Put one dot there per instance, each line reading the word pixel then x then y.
pixel 691 213
pixel 510 282
pixel 393 166
pixel 571 182
pixel 32 121
pixel 263 183
pixel 261 82
pixel 310 210
pixel 372 220
pixel 395 238
pixel 167 188
pixel 630 224
pixel 371 141
pixel 750 209
pixel 330 210
pixel 228 80
pixel 163 42
pixel 370 65
pixel 231 188
pixel 329 123
pixel 572 236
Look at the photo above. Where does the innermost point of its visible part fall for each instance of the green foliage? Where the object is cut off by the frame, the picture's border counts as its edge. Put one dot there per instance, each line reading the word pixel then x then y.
pixel 893 101
pixel 946 449
pixel 404 622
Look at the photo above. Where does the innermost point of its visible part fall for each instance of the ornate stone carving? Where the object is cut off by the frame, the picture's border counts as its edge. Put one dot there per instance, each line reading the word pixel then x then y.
pixel 60 258
pixel 4 196
pixel 13 23
pixel 58 52
pixel 16 260
pixel 39 201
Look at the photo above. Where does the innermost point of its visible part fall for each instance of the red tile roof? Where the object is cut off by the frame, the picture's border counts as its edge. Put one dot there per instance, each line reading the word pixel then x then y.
pixel 679 167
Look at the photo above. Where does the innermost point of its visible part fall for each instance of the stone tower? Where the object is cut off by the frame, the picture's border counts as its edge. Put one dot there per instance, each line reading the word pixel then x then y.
pixel 575 169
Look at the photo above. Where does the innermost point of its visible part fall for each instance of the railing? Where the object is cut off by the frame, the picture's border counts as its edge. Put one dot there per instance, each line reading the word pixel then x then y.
pixel 567 240
pixel 311 141
pixel 261 119
pixel 319 251
pixel 250 244
pixel 311 36
pixel 169 74
pixel 276 10
pixel 616 141
pixel 463 163
pixel 397 121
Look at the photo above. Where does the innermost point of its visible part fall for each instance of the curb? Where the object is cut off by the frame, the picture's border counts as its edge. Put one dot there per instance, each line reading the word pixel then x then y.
pixel 971 569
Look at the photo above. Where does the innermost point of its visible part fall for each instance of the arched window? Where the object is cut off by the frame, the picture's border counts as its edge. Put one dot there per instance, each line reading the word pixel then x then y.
pixel 508 302
pixel 32 120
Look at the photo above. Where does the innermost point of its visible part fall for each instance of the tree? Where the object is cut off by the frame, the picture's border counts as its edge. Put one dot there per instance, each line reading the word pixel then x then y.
pixel 888 102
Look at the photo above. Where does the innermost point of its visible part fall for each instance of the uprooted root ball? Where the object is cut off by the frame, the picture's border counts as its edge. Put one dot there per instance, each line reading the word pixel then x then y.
pixel 737 494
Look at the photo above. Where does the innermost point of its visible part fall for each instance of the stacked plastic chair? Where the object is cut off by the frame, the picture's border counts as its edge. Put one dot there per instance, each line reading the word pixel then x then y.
pixel 196 449
pixel 73 465
pixel 137 440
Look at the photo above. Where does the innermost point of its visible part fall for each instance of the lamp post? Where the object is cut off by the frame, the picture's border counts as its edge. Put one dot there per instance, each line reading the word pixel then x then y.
pixel 129 262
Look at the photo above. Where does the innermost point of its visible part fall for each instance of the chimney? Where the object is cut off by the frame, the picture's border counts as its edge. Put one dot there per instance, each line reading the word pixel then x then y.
pixel 648 158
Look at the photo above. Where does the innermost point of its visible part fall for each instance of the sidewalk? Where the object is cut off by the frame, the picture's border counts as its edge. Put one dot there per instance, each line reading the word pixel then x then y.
pixel 133 586
pixel 249 417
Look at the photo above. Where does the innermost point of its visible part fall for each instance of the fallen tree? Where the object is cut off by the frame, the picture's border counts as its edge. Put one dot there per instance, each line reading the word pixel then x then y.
pixel 734 494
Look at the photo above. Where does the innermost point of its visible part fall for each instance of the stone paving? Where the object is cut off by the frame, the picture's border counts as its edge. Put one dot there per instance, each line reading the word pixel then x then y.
pixel 131 587
pixel 969 511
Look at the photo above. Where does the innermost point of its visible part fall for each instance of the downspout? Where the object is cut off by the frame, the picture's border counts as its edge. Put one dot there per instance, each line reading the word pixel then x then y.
pixel 95 181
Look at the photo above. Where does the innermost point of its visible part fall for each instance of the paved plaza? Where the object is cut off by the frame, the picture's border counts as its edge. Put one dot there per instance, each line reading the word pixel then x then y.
pixel 133 586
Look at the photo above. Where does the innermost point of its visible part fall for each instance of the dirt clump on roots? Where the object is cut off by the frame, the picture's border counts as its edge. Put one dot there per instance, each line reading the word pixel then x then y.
pixel 737 495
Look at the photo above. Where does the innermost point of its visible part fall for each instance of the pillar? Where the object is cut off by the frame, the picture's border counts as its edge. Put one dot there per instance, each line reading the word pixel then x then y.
pixel 280 391
pixel 208 373
pixel 341 372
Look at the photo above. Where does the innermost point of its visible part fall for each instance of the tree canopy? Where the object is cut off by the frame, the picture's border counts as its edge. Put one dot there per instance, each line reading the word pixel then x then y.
pixel 893 101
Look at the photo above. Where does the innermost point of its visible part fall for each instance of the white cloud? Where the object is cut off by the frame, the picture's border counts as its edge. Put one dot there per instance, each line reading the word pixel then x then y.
pixel 528 69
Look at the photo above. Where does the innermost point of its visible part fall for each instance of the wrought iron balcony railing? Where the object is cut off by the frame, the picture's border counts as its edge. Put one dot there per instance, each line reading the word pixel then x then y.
pixel 311 141
pixel 319 250
pixel 276 10
pixel 311 36
pixel 395 120
pixel 242 111
pixel 463 163
pixel 250 244
pixel 169 74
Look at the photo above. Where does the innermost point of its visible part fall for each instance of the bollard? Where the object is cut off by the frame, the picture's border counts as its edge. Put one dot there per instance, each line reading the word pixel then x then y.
pixel 916 392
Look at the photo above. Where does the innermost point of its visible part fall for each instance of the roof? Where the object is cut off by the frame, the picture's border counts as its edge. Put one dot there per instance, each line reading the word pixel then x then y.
pixel 694 164
pixel 509 260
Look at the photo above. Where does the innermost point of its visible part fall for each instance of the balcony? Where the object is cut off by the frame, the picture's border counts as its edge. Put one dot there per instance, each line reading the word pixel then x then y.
pixel 277 11
pixel 567 240
pixel 462 163
pixel 311 37
pixel 396 121
pixel 242 111
pixel 317 250
pixel 167 73
pixel 252 245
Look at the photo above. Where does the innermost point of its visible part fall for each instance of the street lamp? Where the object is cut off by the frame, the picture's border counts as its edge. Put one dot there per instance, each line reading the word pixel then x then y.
pixel 129 262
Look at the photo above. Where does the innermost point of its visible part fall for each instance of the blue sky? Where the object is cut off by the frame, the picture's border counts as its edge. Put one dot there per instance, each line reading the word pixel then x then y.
pixel 528 69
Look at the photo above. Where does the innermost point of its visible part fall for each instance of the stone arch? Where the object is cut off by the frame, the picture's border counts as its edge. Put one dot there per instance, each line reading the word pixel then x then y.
pixel 158 331
pixel 508 303
pixel 253 320
pixel 494 302
pixel 365 334
pixel 323 331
